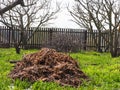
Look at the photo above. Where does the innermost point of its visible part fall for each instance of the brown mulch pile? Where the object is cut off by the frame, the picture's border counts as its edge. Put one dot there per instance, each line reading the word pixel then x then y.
pixel 48 65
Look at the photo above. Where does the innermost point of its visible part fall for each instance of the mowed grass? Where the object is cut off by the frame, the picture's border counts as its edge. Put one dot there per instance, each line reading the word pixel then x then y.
pixel 102 70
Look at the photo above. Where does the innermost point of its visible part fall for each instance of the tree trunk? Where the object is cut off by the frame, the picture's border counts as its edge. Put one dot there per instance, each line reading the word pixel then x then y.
pixel 17 48
pixel 115 44
pixel 9 7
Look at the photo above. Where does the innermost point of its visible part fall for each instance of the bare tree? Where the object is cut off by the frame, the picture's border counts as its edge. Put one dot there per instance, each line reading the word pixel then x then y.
pixel 86 14
pixel 99 15
pixel 112 16
pixel 35 13
pixel 9 7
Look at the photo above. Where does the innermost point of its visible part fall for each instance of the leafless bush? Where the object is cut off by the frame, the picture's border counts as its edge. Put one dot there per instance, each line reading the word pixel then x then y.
pixel 65 42
pixel 4 45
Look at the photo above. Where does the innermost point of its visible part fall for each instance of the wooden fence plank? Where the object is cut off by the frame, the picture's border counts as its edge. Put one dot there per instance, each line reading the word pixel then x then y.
pixel 44 35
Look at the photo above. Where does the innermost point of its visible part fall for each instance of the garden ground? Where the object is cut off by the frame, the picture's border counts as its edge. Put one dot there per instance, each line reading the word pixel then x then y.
pixel 103 71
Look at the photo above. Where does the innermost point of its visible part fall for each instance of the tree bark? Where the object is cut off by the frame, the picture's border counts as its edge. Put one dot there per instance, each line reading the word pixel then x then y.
pixel 9 7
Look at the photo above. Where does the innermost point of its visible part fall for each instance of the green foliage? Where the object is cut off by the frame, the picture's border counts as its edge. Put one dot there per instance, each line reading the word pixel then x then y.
pixel 103 71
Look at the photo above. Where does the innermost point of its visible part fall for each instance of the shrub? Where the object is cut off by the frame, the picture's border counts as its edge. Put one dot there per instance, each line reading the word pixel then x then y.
pixel 65 42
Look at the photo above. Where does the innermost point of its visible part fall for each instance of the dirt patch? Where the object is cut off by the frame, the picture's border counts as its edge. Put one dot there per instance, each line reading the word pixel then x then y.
pixel 48 65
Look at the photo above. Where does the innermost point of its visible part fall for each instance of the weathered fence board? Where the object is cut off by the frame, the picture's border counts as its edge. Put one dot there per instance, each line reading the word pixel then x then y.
pixel 53 37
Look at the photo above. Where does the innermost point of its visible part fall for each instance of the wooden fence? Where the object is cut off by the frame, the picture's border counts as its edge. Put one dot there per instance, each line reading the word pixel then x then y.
pixel 58 38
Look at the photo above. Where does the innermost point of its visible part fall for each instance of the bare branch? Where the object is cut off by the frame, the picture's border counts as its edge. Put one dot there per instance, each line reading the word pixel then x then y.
pixel 9 7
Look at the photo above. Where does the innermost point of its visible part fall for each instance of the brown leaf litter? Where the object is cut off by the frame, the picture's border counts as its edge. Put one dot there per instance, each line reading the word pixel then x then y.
pixel 49 65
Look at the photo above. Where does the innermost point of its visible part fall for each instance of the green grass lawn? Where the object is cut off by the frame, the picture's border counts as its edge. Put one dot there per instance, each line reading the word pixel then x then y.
pixel 103 71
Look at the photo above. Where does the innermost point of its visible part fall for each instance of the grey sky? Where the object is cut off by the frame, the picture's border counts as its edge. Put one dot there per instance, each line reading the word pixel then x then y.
pixel 63 20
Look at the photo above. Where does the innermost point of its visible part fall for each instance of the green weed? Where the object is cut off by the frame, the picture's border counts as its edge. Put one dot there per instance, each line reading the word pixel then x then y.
pixel 102 70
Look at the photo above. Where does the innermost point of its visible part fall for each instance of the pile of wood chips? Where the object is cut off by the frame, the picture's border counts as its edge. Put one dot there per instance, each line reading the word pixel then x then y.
pixel 49 65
